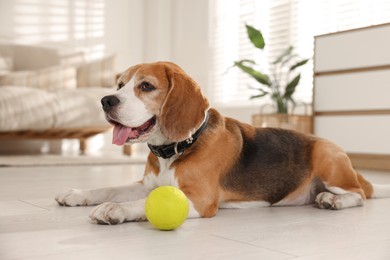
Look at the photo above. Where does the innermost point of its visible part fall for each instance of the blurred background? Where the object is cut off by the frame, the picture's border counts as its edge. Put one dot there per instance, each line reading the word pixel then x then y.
pixel 205 37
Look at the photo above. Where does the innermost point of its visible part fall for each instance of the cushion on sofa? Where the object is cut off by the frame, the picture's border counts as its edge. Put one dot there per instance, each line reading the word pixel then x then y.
pixel 98 73
pixel 5 65
pixel 23 108
pixel 26 108
pixel 29 57
pixel 56 77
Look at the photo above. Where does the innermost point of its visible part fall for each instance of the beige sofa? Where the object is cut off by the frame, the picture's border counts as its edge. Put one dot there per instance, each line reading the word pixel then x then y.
pixel 47 93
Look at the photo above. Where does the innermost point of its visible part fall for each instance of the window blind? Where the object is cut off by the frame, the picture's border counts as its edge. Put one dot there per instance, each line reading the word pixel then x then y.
pixel 230 43
pixel 73 23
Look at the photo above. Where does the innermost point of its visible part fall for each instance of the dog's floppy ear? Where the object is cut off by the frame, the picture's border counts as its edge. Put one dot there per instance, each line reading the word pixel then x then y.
pixel 184 108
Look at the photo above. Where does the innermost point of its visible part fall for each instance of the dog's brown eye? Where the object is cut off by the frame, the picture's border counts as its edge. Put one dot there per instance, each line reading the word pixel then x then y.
pixel 146 86
pixel 120 85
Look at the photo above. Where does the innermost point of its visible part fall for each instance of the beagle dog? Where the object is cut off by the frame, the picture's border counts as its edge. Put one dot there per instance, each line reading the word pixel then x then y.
pixel 218 162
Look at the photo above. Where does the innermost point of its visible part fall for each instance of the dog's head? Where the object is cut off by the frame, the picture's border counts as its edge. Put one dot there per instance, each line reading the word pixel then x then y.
pixel 155 102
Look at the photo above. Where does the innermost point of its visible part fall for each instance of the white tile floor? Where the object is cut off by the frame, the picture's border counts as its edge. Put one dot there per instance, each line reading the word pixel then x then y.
pixel 33 226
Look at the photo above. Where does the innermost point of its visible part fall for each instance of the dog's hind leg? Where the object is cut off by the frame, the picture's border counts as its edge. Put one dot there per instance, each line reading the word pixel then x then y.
pixel 345 188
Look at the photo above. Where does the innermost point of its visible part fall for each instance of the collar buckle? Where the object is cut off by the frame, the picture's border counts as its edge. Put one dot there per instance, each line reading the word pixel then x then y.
pixel 160 151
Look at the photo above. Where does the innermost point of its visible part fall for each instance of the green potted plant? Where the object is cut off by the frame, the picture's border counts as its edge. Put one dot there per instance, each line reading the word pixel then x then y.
pixel 281 81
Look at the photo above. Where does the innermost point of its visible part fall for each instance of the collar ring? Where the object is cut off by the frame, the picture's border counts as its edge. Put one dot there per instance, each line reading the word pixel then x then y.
pixel 176 151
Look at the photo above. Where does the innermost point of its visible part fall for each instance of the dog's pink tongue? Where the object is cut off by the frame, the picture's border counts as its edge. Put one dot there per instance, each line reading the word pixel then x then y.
pixel 121 134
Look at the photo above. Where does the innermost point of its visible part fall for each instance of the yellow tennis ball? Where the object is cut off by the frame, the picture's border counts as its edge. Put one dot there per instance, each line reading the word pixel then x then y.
pixel 166 207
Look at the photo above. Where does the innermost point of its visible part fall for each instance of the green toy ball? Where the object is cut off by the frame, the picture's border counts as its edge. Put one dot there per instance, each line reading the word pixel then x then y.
pixel 166 207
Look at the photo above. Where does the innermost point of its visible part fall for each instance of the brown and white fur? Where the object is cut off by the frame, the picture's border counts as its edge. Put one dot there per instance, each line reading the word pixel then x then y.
pixel 231 165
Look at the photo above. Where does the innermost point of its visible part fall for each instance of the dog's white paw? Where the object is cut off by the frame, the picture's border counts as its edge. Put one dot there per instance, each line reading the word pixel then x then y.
pixel 73 197
pixel 327 200
pixel 108 213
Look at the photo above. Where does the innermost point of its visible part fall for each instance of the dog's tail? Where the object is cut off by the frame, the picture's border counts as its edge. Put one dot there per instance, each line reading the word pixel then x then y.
pixel 374 191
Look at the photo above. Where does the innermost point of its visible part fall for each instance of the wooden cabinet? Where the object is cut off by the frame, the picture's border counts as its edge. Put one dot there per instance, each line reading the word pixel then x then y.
pixel 352 93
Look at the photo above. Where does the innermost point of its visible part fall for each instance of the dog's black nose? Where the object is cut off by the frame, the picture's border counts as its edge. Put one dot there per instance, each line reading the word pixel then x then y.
pixel 109 102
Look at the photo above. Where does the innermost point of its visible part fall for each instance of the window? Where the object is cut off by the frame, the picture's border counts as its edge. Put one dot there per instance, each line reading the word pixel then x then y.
pixel 74 23
pixel 283 23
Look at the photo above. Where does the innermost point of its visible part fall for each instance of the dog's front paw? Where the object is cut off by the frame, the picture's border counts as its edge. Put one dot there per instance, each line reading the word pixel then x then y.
pixel 73 197
pixel 108 213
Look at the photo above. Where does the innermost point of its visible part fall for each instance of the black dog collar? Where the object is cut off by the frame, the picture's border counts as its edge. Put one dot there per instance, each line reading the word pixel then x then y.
pixel 169 150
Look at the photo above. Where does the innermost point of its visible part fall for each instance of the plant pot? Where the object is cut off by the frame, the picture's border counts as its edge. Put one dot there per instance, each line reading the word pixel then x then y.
pixel 302 123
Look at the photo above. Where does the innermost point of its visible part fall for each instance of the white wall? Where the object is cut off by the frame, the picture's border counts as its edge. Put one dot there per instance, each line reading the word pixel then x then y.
pixel 157 30
pixel 124 31
pixel 6 19
pixel 178 30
